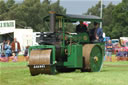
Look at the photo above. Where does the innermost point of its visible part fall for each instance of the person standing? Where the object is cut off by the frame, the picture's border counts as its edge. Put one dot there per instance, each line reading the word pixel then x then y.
pixel 3 47
pixel 8 51
pixel 15 49
pixel 26 53
pixel 96 33
pixel 0 48
pixel 109 51
pixel 2 57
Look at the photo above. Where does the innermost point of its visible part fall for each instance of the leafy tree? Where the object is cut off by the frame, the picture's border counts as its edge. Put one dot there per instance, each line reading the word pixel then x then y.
pixel 120 18
pixel 107 14
pixel 57 8
pixel 10 3
pixel 125 1
pixel 29 13
pixel 3 9
pixel 46 2
pixel 95 10
pixel 115 18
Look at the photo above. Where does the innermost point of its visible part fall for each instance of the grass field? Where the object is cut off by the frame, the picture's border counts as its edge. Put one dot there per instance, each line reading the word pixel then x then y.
pixel 18 74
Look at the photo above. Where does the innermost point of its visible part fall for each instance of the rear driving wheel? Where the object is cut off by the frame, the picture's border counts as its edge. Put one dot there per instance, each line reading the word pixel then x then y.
pixel 92 58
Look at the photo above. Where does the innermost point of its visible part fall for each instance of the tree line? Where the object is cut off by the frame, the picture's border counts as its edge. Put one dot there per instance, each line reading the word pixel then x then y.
pixel 30 13
pixel 115 18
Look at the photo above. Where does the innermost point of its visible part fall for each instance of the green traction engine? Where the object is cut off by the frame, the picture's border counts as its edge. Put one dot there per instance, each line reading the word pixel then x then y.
pixel 61 51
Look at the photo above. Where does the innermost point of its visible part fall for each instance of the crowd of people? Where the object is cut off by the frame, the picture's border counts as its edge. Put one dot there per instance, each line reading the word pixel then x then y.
pixel 10 50
pixel 120 54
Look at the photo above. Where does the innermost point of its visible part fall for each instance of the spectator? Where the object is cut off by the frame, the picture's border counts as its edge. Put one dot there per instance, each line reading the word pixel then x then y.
pixel 0 48
pixel 26 53
pixel 15 48
pixel 2 57
pixel 121 55
pixel 8 51
pixel 109 50
pixel 3 46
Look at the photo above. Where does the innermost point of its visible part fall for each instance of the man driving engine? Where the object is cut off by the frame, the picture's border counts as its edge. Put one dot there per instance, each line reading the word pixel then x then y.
pixel 81 28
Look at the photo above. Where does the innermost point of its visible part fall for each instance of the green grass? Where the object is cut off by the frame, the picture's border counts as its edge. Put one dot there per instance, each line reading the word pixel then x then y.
pixel 18 74
pixel 117 63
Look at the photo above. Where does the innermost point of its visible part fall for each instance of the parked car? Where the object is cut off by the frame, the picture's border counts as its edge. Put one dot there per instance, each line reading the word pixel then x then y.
pixel 115 41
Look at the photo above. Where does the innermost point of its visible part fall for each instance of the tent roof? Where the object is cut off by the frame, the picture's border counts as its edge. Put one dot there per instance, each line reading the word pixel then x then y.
pixel 5 31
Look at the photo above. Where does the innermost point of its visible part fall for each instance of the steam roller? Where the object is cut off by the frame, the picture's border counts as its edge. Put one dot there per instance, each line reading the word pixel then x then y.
pixel 62 51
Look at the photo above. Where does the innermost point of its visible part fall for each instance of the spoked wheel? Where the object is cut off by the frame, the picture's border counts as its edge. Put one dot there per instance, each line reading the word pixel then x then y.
pixel 39 62
pixel 92 58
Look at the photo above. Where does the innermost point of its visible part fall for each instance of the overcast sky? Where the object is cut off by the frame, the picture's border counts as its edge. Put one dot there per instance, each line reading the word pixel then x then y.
pixel 80 6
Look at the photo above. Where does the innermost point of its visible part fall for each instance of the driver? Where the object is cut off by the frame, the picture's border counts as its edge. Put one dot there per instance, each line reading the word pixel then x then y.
pixel 81 28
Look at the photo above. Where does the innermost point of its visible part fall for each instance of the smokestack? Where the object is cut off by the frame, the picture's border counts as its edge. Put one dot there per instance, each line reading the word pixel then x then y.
pixel 52 21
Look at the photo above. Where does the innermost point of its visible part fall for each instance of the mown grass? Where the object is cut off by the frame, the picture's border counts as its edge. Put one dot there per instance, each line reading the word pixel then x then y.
pixel 18 74
pixel 117 63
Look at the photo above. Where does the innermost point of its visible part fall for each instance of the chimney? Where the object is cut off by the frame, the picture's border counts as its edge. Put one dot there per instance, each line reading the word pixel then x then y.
pixel 52 21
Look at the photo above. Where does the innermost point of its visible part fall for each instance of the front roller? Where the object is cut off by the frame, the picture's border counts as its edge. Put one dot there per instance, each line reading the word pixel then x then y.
pixel 92 58
pixel 39 62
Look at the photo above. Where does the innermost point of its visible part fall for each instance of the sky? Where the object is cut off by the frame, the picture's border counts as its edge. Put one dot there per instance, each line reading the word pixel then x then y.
pixel 80 6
